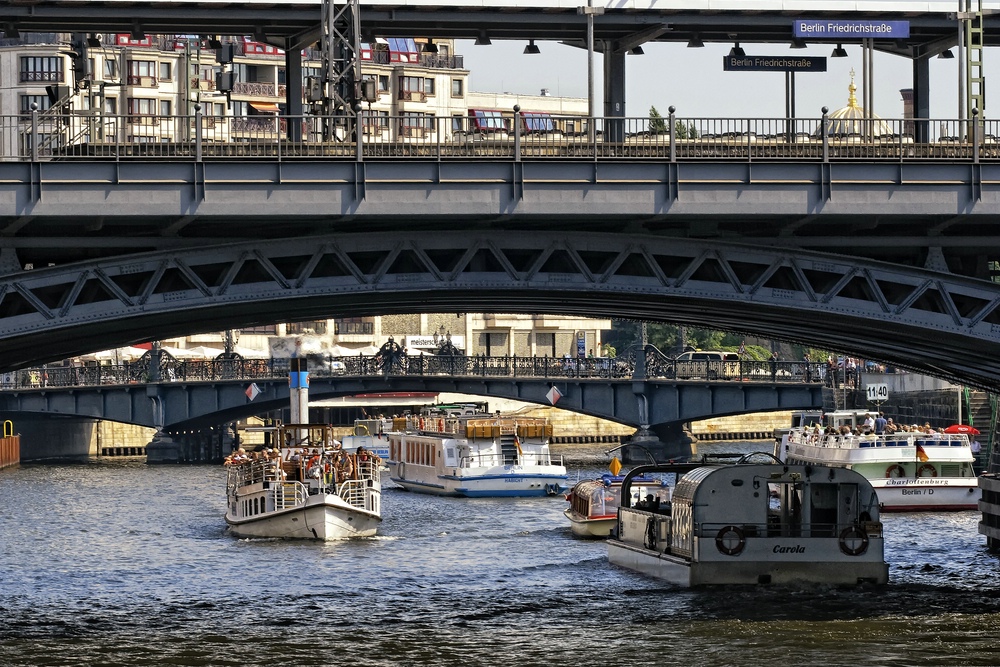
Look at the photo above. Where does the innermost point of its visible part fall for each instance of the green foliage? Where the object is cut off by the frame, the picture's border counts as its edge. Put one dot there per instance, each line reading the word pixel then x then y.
pixel 685 130
pixel 656 123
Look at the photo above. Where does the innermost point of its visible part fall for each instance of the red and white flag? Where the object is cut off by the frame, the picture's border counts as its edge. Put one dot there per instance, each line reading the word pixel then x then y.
pixel 253 391
pixel 553 395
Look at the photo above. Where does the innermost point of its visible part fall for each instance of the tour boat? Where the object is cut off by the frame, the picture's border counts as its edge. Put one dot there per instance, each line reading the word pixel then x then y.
pixel 753 523
pixel 910 470
pixel 474 455
pixel 316 490
pixel 593 503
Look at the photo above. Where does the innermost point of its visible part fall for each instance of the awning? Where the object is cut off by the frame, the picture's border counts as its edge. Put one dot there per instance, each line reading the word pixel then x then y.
pixel 266 107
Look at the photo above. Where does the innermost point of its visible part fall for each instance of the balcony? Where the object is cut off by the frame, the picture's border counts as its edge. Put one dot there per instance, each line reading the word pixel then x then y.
pixel 354 328
pixel 143 81
pixel 30 77
pixel 412 96
pixel 255 89
pixel 442 62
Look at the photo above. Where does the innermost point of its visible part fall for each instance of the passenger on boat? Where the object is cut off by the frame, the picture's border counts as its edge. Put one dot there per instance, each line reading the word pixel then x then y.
pixel 240 456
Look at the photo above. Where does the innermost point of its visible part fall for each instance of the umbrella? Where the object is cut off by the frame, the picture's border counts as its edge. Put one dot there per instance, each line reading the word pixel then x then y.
pixel 962 428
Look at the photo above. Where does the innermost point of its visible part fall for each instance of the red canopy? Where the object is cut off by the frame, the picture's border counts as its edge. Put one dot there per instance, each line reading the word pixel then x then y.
pixel 962 428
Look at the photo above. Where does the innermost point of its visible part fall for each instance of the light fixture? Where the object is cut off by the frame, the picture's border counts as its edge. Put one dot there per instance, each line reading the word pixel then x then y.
pixel 531 49
pixel 637 51
pixel 695 42
pixel 483 40
pixel 94 40
pixel 214 42
pixel 137 32
pixel 798 44
pixel 839 52
pixel 430 46
pixel 946 55
pixel 737 52
pixel 10 31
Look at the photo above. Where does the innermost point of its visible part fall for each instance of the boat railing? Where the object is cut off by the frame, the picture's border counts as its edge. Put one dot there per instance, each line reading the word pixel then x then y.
pixel 526 459
pixel 359 492
pixel 289 494
pixel 252 472
pixel 805 437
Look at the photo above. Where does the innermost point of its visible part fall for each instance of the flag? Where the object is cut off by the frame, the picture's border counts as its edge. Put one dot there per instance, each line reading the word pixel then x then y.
pixel 743 348
pixel 553 395
pixel 253 391
pixel 921 454
pixel 517 443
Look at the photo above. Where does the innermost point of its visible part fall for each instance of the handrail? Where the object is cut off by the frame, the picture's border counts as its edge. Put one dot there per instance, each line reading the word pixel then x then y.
pixel 424 136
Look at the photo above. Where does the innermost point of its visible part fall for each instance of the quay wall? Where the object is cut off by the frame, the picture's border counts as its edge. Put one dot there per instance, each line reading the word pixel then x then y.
pixel 77 438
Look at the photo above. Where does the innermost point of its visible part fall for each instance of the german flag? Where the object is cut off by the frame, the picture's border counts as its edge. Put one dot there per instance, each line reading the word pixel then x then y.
pixel 922 455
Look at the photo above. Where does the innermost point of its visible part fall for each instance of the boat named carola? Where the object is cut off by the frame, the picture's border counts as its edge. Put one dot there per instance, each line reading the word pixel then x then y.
pixel 474 455
pixel 754 523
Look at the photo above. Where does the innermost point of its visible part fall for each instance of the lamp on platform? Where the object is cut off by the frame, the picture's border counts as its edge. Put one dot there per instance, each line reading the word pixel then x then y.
pixel 637 51
pixel 798 44
pixel 737 52
pixel 839 52
pixel 946 55
pixel 531 48
pixel 430 46
pixel 695 42
pixel 483 40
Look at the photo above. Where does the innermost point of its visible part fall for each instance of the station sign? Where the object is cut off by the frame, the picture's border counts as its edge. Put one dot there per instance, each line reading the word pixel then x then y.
pixel 845 30
pixel 774 64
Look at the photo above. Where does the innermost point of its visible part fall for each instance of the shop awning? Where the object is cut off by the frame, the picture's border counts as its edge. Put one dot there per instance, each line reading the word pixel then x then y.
pixel 266 107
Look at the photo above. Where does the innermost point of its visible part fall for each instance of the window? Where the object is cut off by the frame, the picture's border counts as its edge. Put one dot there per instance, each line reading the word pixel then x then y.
pixel 383 82
pixel 111 105
pixel 165 107
pixel 138 106
pixel 41 68
pixel 415 124
pixel 141 72
pixel 457 123
pixel 429 86
pixel 110 68
pixel 487 119
pixel 456 88
pixel 165 73
pixel 376 121
pixel 411 88
pixel 42 101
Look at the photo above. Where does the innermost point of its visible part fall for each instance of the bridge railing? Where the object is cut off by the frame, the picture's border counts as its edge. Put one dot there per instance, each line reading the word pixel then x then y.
pixel 412 365
pixel 67 135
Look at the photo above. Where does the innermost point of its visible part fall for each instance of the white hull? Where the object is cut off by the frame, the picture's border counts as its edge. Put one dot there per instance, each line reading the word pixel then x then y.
pixel 590 528
pixel 757 565
pixel 509 481
pixel 324 517
pixel 927 493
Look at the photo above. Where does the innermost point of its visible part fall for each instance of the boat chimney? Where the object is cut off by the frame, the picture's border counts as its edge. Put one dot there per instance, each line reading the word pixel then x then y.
pixel 298 393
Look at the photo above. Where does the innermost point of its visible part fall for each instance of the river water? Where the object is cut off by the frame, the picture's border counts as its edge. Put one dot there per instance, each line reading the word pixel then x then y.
pixel 129 564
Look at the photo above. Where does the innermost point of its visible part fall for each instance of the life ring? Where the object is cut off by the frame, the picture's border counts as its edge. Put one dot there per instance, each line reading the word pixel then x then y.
pixel 895 470
pixel 927 470
pixel 421 423
pixel 730 540
pixel 361 426
pixel 853 541
pixel 441 425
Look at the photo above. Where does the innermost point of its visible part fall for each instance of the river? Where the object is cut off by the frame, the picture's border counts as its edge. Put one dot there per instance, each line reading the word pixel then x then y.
pixel 129 564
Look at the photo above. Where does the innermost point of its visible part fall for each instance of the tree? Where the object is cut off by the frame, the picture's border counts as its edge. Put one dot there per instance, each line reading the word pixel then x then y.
pixel 656 123
pixel 685 131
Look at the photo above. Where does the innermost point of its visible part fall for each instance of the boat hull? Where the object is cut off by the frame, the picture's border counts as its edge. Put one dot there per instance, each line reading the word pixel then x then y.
pixel 592 528
pixel 324 517
pixel 488 486
pixel 928 494
pixel 747 569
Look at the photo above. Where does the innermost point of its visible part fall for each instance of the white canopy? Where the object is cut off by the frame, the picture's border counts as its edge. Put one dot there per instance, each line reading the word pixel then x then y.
pixel 127 353
pixel 204 352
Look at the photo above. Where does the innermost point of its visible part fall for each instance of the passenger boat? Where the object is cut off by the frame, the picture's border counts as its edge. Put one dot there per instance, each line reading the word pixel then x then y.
pixel 754 523
pixel 315 490
pixel 474 455
pixel 368 433
pixel 593 503
pixel 910 471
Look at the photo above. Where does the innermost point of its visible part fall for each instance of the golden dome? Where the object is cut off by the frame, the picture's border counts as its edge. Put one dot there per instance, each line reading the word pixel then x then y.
pixel 851 121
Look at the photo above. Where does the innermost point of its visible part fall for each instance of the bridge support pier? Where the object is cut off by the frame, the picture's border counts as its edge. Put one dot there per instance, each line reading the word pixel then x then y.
pixel 205 445
pixel 659 443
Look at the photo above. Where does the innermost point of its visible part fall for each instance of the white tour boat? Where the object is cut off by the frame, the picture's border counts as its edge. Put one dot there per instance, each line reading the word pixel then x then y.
pixel 909 470
pixel 474 455
pixel 593 503
pixel 315 490
pixel 754 523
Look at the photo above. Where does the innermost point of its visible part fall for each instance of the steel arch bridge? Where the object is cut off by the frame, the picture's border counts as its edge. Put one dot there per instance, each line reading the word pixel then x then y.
pixel 932 321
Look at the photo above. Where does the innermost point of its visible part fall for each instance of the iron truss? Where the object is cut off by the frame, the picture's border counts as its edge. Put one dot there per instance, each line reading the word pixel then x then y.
pixel 940 323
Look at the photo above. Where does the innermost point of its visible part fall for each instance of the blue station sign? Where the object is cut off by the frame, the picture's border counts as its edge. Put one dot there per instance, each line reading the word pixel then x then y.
pixel 844 30
pixel 774 64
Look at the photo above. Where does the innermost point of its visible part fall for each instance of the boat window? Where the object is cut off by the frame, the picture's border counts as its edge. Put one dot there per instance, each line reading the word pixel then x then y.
pixel 784 517
pixel 823 509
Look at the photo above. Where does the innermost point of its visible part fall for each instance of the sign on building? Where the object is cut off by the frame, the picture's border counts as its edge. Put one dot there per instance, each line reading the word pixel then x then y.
pixel 774 64
pixel 846 30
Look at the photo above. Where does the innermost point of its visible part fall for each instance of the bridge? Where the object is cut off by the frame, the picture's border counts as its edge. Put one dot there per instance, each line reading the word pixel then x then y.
pixel 198 394
pixel 876 246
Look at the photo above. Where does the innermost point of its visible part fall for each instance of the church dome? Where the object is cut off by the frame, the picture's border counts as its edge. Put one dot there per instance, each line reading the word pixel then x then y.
pixel 851 121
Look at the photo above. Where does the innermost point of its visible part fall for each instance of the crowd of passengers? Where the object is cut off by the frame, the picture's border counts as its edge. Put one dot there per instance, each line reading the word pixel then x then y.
pixel 876 426
pixel 331 465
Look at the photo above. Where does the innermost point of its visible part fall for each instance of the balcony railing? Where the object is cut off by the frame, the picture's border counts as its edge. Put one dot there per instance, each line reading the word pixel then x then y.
pixel 255 88
pixel 206 137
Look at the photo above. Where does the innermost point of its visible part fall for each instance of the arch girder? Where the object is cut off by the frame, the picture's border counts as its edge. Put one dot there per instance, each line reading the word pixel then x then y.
pixel 809 296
